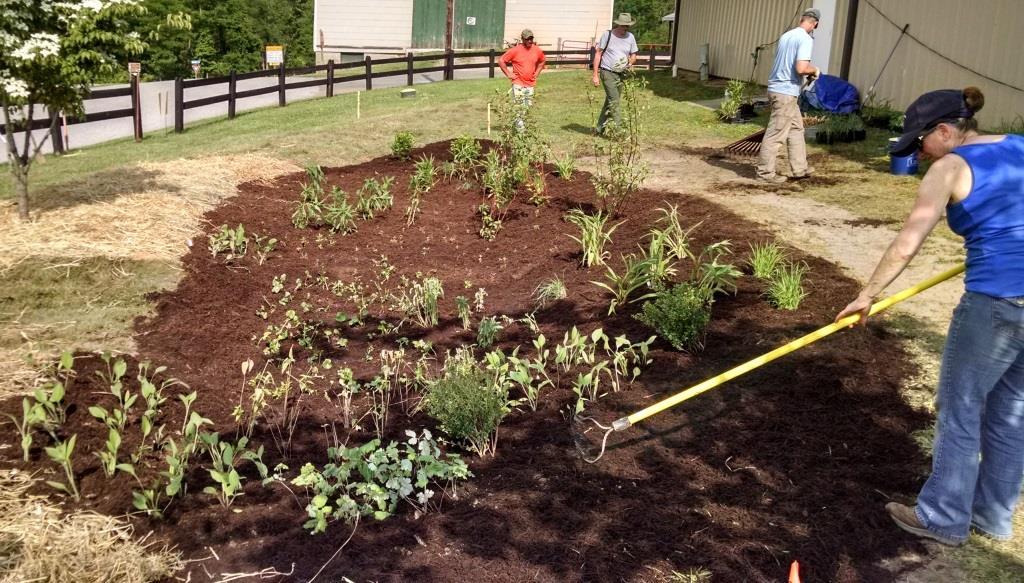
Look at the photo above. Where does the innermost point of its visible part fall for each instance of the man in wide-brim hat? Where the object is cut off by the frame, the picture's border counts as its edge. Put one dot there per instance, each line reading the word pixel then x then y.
pixel 615 53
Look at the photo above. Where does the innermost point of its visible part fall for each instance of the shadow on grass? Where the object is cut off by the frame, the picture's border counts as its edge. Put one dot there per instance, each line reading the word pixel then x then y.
pixel 103 186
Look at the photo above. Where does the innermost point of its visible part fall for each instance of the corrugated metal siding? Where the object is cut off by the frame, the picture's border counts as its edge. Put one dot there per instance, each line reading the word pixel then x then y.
pixel 579 20
pixel 984 39
pixel 734 28
pixel 379 24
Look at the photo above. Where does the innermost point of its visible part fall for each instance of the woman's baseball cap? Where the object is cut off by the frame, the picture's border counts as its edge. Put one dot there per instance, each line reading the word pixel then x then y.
pixel 928 111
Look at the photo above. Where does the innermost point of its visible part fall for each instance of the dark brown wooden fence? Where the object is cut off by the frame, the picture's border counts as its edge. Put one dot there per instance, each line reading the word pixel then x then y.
pixel 334 74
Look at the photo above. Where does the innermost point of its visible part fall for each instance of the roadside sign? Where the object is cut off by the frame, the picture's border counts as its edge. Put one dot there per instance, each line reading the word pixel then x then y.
pixel 275 54
pixel 195 66
pixel 134 68
pixel 470 21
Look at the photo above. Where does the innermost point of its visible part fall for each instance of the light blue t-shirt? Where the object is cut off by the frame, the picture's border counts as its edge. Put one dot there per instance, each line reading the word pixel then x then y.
pixel 616 51
pixel 794 46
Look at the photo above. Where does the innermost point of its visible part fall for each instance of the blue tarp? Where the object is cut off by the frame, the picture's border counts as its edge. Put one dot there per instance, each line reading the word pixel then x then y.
pixel 832 94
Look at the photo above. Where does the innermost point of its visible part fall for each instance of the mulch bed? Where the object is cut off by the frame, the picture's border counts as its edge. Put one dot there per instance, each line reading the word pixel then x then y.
pixel 791 462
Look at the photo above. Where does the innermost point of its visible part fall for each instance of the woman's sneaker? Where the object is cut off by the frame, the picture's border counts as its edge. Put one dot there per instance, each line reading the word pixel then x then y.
pixel 906 518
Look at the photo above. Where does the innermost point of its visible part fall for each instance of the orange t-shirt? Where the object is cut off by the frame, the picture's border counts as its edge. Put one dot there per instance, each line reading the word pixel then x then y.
pixel 525 62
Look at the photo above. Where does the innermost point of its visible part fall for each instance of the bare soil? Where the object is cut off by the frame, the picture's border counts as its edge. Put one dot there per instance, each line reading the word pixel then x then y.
pixel 792 462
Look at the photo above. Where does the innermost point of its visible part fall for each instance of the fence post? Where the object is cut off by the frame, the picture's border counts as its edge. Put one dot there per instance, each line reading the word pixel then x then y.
pixel 650 64
pixel 369 73
pixel 593 53
pixel 408 68
pixel 449 62
pixel 55 137
pixel 136 108
pixel 280 87
pixel 232 89
pixel 490 64
pixel 179 106
pixel 330 78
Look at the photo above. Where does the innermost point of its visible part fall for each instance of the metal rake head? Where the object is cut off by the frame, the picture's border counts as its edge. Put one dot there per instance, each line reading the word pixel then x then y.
pixel 584 435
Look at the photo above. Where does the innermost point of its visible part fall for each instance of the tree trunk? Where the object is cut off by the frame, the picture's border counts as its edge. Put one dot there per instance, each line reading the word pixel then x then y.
pixel 21 188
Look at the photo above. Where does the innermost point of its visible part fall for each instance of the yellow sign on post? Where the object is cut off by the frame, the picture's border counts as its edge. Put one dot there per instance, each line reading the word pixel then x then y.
pixel 275 54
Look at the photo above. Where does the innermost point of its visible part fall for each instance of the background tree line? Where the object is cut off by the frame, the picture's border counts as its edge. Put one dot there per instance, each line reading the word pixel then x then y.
pixel 224 35
pixel 648 14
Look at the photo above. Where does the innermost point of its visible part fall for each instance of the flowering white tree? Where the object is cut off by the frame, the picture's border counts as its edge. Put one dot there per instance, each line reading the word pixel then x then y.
pixel 50 53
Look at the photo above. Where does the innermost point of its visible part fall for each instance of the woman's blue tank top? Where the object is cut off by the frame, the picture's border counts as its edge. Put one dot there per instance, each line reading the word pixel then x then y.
pixel 991 218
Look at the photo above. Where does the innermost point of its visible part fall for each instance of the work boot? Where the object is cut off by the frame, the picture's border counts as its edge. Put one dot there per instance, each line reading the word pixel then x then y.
pixel 807 174
pixel 906 518
pixel 772 179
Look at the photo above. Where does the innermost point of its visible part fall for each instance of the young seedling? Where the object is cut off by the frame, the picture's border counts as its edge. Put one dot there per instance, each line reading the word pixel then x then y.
pixel 487 332
pixel 462 307
pixel 61 454
pixel 565 166
pixel 339 214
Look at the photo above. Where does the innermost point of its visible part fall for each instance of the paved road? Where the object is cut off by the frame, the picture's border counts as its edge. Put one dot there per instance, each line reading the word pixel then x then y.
pixel 157 99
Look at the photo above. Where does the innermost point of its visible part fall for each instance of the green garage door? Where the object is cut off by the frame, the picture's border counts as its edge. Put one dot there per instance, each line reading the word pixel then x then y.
pixel 479 24
pixel 429 21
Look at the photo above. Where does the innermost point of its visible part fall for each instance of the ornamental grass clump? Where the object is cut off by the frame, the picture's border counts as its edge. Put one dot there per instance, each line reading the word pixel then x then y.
pixel 765 259
pixel 374 196
pixel 548 291
pixel 679 315
pixel 785 288
pixel 565 166
pixel 465 151
pixel 469 406
pixel 594 234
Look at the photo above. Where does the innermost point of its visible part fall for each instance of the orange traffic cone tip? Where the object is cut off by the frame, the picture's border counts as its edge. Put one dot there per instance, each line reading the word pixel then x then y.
pixel 794 572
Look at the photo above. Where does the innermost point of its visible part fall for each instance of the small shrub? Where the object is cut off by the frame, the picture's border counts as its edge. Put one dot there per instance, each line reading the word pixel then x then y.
pixel 339 214
pixel 402 144
pixel 765 259
pixel 785 288
pixel 679 316
pixel 465 151
pixel 469 407
pixel 489 224
pixel 548 291
pixel 593 235
pixel 487 332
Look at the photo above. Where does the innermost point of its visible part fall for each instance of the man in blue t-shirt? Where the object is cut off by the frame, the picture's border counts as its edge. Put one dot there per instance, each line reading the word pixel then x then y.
pixel 786 124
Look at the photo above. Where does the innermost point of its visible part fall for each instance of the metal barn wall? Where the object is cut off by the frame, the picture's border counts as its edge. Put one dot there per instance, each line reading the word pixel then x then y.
pixel 733 28
pixel 576 20
pixel 383 24
pixel 980 35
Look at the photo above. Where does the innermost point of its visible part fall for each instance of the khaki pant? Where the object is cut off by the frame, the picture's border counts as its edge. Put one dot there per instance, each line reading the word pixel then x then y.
pixel 612 110
pixel 786 124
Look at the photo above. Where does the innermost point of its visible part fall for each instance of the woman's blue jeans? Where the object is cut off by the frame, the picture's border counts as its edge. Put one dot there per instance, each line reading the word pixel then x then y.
pixel 978 458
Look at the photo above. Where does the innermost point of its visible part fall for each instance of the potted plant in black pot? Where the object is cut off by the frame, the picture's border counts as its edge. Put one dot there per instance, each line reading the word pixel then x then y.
pixel 737 106
pixel 841 128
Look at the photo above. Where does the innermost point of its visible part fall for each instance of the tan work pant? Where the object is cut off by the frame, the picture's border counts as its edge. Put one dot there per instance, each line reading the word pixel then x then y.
pixel 786 124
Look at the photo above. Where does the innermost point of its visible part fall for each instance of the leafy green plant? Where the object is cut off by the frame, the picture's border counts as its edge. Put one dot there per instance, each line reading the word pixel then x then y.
pixel 375 196
pixel 32 415
pixel 315 175
pixel 51 400
pixel 737 93
pixel 565 166
pixel 339 215
pixel 673 235
pixel 594 234
pixel 402 144
pixel 371 480
pixel 263 247
pixel 61 453
pixel 679 315
pixel 310 208
pixel 714 276
pixel 785 288
pixel 499 179
pixel 469 406
pixel 489 224
pixel 462 307
pixel 487 332
pixel 465 151
pixel 658 260
pixel 424 176
pixel 765 259
pixel 224 456
pixel 230 241
pixel 622 285
pixel 549 290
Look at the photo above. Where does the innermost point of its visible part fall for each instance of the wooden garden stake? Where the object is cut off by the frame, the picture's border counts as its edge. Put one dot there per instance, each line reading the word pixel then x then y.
pixel 358 104
pixel 488 119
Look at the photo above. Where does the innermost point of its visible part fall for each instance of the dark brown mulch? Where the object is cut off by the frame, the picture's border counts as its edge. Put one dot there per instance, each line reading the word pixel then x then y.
pixel 792 462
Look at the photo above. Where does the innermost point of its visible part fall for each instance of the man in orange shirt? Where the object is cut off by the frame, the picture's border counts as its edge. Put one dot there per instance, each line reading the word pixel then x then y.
pixel 527 61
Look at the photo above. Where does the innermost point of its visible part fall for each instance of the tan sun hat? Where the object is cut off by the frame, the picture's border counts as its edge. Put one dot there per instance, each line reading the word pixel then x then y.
pixel 527 33
pixel 624 19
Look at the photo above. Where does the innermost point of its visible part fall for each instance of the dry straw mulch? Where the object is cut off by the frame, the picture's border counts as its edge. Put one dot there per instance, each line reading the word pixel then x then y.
pixel 145 211
pixel 38 543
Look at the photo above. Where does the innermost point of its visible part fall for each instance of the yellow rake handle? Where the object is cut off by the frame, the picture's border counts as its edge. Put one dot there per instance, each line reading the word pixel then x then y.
pixel 626 422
